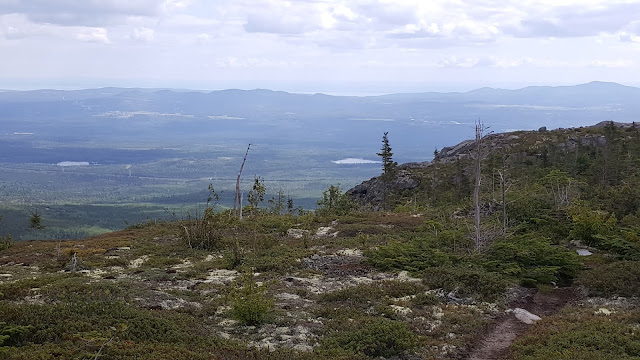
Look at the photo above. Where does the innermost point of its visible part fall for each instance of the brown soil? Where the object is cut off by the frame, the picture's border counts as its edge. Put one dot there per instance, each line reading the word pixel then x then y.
pixel 507 328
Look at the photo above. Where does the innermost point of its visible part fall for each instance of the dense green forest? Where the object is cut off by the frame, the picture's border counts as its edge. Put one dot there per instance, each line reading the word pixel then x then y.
pixel 428 261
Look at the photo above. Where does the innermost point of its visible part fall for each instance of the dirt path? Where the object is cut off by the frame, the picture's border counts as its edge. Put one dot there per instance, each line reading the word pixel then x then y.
pixel 507 328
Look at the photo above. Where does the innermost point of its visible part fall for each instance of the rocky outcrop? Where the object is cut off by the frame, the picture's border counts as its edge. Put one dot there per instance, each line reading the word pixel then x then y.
pixel 372 191
pixel 523 144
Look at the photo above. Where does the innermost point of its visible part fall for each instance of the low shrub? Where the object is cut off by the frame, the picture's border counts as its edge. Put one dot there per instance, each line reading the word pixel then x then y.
pixel 58 321
pixel 412 256
pixel 614 279
pixel 424 299
pixel 467 281
pixel 581 334
pixel 12 335
pixel 250 304
pixel 371 336
pixel 533 260
pixel 280 258
pixel 357 296
pixel 5 242
pixel 363 295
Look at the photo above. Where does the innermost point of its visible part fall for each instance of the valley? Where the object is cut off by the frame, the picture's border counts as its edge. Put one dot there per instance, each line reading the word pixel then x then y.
pixel 155 151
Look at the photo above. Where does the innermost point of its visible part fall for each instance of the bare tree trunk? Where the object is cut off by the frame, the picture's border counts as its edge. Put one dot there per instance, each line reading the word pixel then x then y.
pixel 476 193
pixel 241 198
pixel 237 201
pixel 503 190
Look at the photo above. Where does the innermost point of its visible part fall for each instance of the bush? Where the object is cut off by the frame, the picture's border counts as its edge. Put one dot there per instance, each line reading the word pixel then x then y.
pixel 413 256
pixel 589 226
pixel 372 336
pixel 582 336
pixel 618 278
pixel 424 299
pixel 5 242
pixel 204 233
pixel 12 335
pixel 364 295
pixel 250 305
pixel 334 202
pixel 467 281
pixel 59 321
pixel 625 248
pixel 533 260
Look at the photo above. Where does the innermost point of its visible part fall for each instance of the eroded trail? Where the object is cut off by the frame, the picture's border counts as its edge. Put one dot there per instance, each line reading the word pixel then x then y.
pixel 508 328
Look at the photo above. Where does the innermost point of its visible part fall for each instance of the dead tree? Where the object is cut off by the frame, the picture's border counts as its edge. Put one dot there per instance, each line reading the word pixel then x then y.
pixel 237 201
pixel 477 237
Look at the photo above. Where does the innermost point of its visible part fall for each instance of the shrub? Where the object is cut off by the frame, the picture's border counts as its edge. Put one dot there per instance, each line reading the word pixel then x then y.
pixel 5 242
pixel 425 299
pixel 413 256
pixel 625 248
pixel 12 335
pixel 334 202
pixel 372 336
pixel 467 281
pixel 583 336
pixel 363 295
pixel 618 278
pixel 204 233
pixel 59 321
pixel 588 225
pixel 250 305
pixel 533 260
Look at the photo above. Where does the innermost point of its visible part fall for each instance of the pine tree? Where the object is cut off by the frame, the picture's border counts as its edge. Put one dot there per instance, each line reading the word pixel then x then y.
pixel 256 195
pixel 389 167
pixel 35 221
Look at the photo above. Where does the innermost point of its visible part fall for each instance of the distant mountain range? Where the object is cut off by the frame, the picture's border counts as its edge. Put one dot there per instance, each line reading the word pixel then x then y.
pixel 417 122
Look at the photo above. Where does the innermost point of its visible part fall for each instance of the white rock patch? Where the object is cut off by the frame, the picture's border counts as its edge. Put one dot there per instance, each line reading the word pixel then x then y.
pixel 401 310
pixel 221 276
pixel 604 311
pixel 525 316
pixel 136 263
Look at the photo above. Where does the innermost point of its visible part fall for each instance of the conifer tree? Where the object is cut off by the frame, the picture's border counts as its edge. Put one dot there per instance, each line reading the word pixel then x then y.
pixel 35 221
pixel 389 167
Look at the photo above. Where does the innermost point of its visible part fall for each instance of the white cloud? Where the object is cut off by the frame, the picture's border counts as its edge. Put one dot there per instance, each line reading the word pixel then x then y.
pixel 337 41
pixel 97 35
pixel 614 64
pixel 627 37
pixel 458 62
pixel 143 34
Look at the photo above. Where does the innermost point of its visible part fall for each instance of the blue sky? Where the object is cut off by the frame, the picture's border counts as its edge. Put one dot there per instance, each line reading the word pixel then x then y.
pixel 356 46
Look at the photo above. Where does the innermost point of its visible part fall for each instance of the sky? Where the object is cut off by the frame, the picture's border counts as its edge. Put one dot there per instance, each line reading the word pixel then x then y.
pixel 332 46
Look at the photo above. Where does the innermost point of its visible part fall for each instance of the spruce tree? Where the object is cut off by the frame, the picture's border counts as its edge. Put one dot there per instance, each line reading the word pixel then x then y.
pixel 389 166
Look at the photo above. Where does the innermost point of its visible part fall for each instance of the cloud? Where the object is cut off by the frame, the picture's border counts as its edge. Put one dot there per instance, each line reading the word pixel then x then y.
pixel 576 20
pixel 82 12
pixel 613 64
pixel 96 35
pixel 458 62
pixel 283 24
pixel 627 37
pixel 485 61
pixel 143 34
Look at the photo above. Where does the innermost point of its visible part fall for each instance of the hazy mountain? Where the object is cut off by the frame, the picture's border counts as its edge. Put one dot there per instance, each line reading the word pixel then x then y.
pixel 415 120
